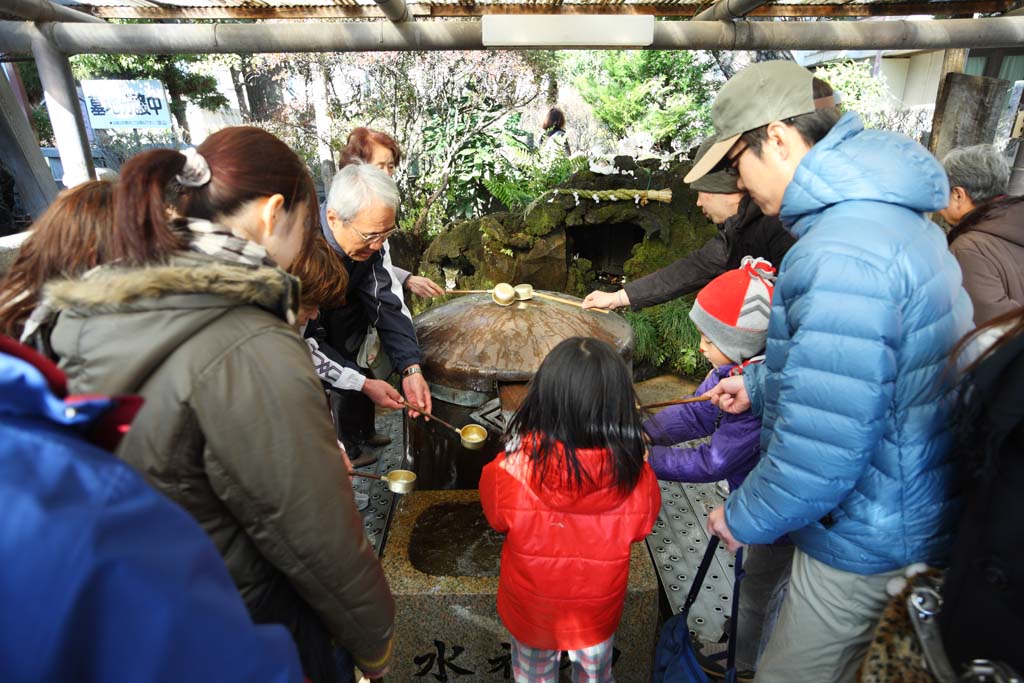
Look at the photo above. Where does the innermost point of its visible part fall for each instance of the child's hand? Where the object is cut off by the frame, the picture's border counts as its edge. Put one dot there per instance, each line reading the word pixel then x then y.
pixel 730 395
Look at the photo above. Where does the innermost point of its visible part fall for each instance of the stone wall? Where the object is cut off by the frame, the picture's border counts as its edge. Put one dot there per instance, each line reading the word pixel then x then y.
pixel 535 247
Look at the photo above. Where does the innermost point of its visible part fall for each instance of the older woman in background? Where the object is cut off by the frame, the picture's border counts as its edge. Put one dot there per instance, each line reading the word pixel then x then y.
pixel 988 230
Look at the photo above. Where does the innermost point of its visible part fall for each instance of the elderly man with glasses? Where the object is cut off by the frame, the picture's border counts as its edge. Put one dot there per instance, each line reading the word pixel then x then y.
pixel 360 216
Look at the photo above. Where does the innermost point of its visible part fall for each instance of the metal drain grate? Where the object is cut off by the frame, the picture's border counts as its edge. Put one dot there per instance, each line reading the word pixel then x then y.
pixel 677 545
pixel 376 515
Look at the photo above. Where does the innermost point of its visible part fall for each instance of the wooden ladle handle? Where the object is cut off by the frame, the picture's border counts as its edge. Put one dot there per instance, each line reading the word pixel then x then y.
pixel 678 401
pixel 432 417
pixel 368 475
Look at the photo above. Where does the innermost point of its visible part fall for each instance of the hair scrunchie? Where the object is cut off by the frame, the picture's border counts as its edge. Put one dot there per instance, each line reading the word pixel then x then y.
pixel 195 172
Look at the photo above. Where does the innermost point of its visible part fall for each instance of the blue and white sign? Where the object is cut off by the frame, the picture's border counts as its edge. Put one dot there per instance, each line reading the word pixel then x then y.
pixel 120 105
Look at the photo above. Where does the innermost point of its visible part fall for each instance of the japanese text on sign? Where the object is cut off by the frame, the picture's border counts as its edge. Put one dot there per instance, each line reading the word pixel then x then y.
pixel 126 104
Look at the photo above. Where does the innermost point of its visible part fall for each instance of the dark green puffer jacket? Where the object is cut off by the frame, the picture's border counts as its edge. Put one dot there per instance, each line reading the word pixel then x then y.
pixel 234 427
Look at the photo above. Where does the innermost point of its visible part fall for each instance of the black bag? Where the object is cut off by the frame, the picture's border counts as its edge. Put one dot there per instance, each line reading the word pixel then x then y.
pixel 983 595
pixel 674 660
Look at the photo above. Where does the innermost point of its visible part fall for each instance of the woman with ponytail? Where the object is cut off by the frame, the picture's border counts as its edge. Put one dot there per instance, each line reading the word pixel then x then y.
pixel 197 317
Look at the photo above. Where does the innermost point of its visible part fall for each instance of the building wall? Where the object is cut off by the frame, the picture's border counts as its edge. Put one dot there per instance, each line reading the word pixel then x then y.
pixel 922 82
pixel 203 122
pixel 894 71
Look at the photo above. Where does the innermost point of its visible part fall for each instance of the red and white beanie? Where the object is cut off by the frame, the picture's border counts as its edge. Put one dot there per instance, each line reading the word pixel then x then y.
pixel 732 310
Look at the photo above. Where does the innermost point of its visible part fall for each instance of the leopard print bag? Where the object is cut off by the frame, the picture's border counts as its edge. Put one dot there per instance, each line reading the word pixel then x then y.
pixel 895 654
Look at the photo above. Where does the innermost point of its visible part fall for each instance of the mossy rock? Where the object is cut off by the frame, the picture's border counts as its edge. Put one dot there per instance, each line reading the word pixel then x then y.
pixel 649 256
pixel 543 218
pixel 503 235
pixel 580 275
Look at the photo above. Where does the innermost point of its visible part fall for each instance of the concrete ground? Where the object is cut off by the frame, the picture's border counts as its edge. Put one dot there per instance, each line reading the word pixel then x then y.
pixel 664 388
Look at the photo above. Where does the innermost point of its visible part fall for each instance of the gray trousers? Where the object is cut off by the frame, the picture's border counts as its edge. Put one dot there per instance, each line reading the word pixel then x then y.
pixel 767 573
pixel 826 624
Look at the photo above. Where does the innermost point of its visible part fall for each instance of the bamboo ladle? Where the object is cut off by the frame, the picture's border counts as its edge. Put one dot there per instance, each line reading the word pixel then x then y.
pixel 472 435
pixel 397 481
pixel 678 401
pixel 521 296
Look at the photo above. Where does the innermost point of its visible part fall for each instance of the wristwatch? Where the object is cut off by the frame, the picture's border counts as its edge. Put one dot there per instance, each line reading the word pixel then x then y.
pixel 412 370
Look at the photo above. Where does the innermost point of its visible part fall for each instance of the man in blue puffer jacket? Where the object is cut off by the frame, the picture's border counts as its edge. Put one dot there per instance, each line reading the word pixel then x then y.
pixel 102 579
pixel 856 464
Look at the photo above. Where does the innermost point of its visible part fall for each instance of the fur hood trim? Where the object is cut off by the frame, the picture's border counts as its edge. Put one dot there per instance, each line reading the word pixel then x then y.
pixel 117 290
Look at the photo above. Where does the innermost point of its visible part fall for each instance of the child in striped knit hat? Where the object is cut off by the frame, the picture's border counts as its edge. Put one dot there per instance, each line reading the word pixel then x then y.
pixel 731 313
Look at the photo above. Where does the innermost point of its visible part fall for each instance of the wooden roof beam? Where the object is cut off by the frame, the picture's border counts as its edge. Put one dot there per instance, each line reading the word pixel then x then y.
pixel 727 10
pixel 394 10
pixel 44 10
pixel 938 34
pixel 424 10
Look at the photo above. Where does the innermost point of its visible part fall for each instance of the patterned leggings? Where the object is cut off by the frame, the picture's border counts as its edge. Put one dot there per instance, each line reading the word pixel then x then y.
pixel 589 665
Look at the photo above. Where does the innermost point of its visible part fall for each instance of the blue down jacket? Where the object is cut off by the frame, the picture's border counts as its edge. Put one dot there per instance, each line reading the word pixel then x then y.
pixel 854 395
pixel 102 579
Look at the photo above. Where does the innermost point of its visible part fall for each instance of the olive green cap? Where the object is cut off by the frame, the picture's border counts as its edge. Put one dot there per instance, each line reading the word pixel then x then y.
pixel 718 182
pixel 761 93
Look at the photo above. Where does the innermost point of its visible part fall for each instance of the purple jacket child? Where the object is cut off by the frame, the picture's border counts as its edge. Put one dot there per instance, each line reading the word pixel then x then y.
pixel 735 440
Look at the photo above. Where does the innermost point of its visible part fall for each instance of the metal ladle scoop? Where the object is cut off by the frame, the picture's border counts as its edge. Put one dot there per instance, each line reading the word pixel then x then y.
pixel 397 481
pixel 472 435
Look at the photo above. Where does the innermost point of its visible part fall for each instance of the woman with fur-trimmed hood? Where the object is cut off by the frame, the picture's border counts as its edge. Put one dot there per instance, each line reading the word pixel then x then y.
pixel 198 319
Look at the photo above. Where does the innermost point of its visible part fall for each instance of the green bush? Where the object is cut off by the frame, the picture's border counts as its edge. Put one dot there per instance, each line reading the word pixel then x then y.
pixel 665 337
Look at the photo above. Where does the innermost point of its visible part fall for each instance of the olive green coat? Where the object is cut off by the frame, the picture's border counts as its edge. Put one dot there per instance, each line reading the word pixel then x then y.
pixel 234 427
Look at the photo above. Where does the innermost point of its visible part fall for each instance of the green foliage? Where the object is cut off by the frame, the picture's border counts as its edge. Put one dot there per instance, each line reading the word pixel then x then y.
pixel 861 91
pixel 667 94
pixel 522 175
pixel 869 96
pixel 450 112
pixel 664 336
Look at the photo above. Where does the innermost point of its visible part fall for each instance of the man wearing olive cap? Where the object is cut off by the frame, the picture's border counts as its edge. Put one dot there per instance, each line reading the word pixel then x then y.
pixel 742 231
pixel 854 395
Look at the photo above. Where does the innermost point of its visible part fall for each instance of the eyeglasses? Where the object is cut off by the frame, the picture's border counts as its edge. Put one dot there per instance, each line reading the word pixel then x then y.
pixel 374 237
pixel 733 167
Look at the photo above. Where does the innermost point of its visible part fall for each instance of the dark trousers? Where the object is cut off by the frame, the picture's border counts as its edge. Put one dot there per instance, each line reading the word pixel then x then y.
pixel 282 605
pixel 353 417
pixel 353 412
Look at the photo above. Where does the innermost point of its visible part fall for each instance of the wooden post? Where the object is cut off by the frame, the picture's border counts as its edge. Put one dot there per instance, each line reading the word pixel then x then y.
pixel 967 112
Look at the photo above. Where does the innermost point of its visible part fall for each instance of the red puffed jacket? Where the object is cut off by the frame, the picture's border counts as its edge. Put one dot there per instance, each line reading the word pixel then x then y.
pixel 565 562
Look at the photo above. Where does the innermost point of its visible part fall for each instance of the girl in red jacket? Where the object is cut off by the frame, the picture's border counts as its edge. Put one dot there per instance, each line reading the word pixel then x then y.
pixel 572 491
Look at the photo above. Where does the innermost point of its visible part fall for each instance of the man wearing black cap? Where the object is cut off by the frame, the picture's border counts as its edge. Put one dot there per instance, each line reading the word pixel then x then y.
pixel 854 393
pixel 742 231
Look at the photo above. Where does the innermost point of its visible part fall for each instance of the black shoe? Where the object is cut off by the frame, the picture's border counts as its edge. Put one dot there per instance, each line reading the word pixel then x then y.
pixel 715 668
pixel 363 459
pixel 377 440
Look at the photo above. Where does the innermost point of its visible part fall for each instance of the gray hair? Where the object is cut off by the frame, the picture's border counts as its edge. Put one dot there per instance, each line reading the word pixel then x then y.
pixel 981 170
pixel 358 185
